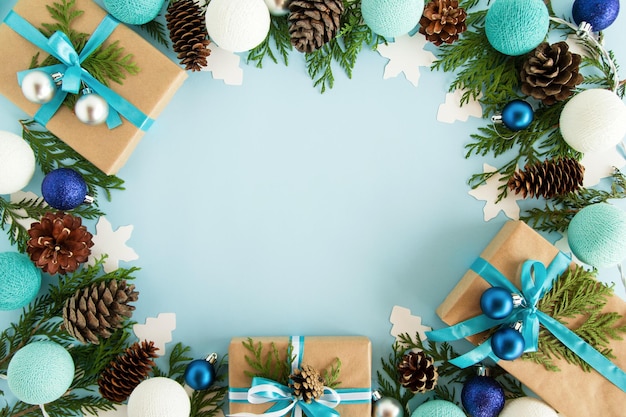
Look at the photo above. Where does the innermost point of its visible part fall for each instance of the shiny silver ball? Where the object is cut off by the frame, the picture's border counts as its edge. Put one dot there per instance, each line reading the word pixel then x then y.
pixel 387 407
pixel 278 7
pixel 91 109
pixel 38 87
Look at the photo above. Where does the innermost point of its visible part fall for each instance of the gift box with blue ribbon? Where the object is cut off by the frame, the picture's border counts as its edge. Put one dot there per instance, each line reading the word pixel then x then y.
pixel 524 263
pixel 133 105
pixel 253 395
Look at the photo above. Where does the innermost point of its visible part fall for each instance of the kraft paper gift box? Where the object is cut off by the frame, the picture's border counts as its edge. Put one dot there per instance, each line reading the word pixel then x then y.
pixel 572 391
pixel 149 90
pixel 320 352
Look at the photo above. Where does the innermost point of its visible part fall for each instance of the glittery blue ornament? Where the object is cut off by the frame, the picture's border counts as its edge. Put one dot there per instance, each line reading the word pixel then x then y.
pixel 496 303
pixel 200 373
pixel 508 343
pixel 600 14
pixel 517 115
pixel 64 189
pixel 482 396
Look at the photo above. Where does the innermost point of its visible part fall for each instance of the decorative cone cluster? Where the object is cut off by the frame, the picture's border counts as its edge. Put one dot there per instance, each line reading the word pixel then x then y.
pixel 443 21
pixel 123 374
pixel 188 34
pixel 96 311
pixel 417 372
pixel 550 73
pixel 312 23
pixel 59 243
pixel 307 382
pixel 548 179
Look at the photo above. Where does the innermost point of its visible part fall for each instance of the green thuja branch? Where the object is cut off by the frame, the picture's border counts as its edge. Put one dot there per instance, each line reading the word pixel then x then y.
pixel 331 376
pixel 64 14
pixel 157 31
pixel 269 365
pixel 278 36
pixel 110 63
pixel 389 382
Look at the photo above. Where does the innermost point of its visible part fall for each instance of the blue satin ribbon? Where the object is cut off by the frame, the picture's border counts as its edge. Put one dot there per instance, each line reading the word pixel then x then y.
pixel 60 47
pixel 536 280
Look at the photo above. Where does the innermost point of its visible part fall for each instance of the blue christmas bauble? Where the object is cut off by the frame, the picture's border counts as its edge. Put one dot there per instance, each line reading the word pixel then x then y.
pixel 496 303
pixel 515 27
pixel 508 343
pixel 517 115
pixel 64 189
pixel 136 12
pixel 482 396
pixel 20 280
pixel 600 14
pixel 438 408
pixel 199 374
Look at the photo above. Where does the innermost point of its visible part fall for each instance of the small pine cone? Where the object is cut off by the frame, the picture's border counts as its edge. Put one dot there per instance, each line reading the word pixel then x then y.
pixel 125 372
pixel 312 23
pixel 307 382
pixel 548 179
pixel 97 310
pixel 417 372
pixel 550 73
pixel 59 243
pixel 443 21
pixel 188 34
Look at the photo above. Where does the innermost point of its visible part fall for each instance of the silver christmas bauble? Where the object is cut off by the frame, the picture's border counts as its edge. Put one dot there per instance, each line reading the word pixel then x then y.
pixel 91 109
pixel 387 407
pixel 278 7
pixel 38 87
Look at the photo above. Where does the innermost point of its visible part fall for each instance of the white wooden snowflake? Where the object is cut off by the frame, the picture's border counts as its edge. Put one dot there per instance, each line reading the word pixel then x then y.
pixel 489 193
pixel 451 110
pixel 113 244
pixel 600 165
pixel 157 329
pixel 406 55
pixel 224 65
pixel 404 322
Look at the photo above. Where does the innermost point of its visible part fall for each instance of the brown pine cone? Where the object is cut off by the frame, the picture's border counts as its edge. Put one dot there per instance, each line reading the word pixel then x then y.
pixel 307 382
pixel 96 311
pixel 443 21
pixel 59 243
pixel 124 373
pixel 548 178
pixel 312 23
pixel 550 73
pixel 188 34
pixel 417 372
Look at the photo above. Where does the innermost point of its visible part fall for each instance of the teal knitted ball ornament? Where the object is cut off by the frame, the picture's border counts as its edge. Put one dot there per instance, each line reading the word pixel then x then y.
pixel 40 372
pixel 515 27
pixel 438 408
pixel 597 235
pixel 20 280
pixel 392 18
pixel 135 12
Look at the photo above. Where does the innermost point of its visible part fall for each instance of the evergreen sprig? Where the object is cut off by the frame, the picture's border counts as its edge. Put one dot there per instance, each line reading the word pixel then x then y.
pixel 389 382
pixel 278 38
pixel 157 31
pixel 271 364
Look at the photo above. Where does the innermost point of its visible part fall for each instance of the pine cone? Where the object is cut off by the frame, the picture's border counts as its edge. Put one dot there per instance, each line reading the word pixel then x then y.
pixel 125 372
pixel 548 178
pixel 550 73
pixel 417 372
pixel 98 310
pixel 59 243
pixel 443 21
pixel 312 23
pixel 307 382
pixel 188 34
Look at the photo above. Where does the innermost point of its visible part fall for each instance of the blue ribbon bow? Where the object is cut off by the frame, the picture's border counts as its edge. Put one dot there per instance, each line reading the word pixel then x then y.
pixel 536 280
pixel 74 75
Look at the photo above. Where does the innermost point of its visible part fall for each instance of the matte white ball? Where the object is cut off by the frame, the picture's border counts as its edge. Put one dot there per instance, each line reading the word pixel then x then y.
pixel 237 25
pixel 593 120
pixel 17 163
pixel 159 397
pixel 527 407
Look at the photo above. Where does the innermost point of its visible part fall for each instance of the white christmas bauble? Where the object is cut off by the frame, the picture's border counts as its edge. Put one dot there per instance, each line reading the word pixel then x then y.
pixel 91 109
pixel 159 397
pixel 527 407
pixel 237 25
pixel 17 163
pixel 593 120
pixel 38 87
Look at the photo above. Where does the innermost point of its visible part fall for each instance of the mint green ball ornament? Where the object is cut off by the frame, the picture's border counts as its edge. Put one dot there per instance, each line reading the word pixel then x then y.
pixel 438 408
pixel 136 12
pixel 515 27
pixel 20 280
pixel 392 18
pixel 40 372
pixel 597 235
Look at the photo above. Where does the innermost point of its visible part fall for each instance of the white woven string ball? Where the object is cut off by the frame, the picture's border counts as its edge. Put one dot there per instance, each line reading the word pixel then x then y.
pixel 527 407
pixel 17 163
pixel 159 397
pixel 237 25
pixel 593 120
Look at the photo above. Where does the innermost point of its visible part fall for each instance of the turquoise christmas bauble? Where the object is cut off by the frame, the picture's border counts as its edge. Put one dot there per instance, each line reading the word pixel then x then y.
pixel 516 27
pixel 40 372
pixel 438 408
pixel 136 12
pixel 20 280
pixel 392 18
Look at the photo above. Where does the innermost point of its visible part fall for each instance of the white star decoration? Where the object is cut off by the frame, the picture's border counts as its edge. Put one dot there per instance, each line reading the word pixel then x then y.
pixel 159 330
pixel 406 55
pixel 489 193
pixel 113 244
pixel 224 65
pixel 404 322
pixel 451 110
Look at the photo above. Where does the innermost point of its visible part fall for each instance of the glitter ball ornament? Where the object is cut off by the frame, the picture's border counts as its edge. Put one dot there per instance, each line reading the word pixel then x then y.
pixel 20 280
pixel 482 396
pixel 17 163
pixel 136 12
pixel 200 373
pixel 600 14
pixel 593 120
pixel 38 87
pixel 159 397
pixel 40 372
pixel 237 25
pixel 392 18
pixel 438 408
pixel 597 235
pixel 64 189
pixel 516 27
pixel 527 407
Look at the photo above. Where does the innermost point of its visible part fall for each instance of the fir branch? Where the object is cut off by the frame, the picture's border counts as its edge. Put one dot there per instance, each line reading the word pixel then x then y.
pixel 178 361
pixel 279 34
pixel 64 14
pixel 272 366
pixel 331 377
pixel 157 31
pixel 110 63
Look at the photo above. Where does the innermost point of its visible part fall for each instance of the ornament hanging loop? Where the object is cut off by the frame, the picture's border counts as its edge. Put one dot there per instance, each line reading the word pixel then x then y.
pixel 584 30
